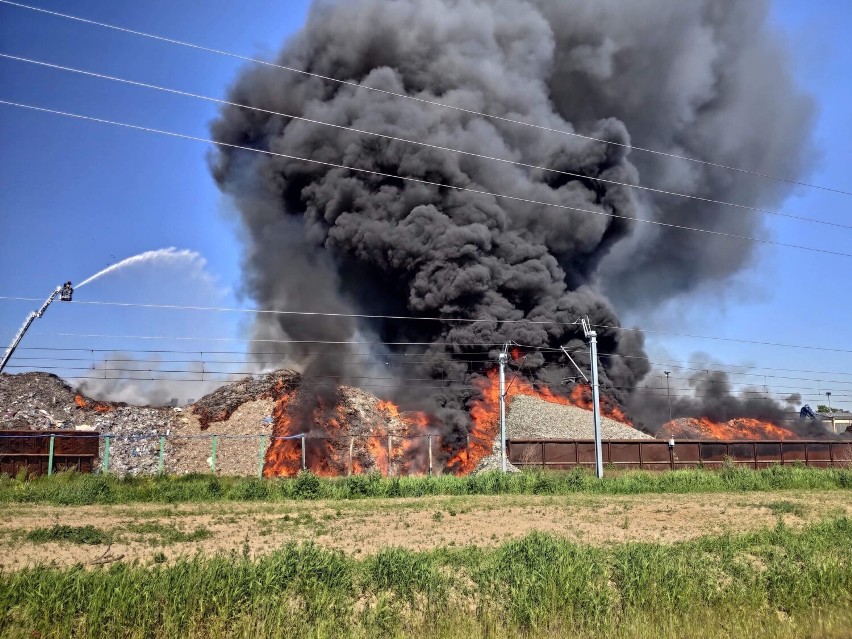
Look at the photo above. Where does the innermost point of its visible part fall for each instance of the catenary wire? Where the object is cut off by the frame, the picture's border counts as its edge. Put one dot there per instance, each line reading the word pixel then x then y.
pixel 396 317
pixel 157 367
pixel 754 209
pixel 514 198
pixel 357 85
pixel 711 367
pixel 446 382
pixel 230 378
pixel 407 361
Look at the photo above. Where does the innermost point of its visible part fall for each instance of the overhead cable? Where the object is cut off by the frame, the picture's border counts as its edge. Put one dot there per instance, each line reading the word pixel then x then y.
pixel 513 198
pixel 421 100
pixel 708 367
pixel 754 209
pixel 394 317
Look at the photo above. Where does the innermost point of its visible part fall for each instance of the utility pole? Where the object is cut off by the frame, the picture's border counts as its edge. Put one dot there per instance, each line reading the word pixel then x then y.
pixel 502 358
pixel 668 394
pixel 592 336
pixel 828 394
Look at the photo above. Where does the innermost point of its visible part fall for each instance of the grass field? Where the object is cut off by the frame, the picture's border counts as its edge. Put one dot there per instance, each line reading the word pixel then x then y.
pixel 775 582
pixel 73 488
pixel 690 553
pixel 65 535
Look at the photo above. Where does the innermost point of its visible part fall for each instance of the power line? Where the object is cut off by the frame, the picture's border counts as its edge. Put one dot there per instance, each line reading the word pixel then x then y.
pixel 264 341
pixel 717 368
pixel 393 317
pixel 709 367
pixel 230 377
pixel 417 99
pixel 450 382
pixel 754 209
pixel 514 198
pixel 408 361
pixel 727 339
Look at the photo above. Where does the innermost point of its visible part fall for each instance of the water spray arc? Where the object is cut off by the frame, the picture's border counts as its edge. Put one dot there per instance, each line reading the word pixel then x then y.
pixel 65 293
pixel 170 254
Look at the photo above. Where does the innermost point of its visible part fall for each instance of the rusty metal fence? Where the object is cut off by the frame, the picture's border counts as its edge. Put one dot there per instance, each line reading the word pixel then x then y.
pixel 45 452
pixel 650 454
pixel 49 452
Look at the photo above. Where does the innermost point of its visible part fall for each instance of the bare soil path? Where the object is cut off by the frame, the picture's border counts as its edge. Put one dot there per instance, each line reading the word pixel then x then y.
pixel 148 533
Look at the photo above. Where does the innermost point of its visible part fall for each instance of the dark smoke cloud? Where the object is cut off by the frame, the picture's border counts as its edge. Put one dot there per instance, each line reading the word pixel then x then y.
pixel 710 394
pixel 703 79
pixel 684 79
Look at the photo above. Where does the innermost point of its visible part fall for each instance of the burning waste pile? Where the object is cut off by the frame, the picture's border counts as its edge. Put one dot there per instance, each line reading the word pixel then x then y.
pixel 349 431
pixel 427 257
pixel 409 220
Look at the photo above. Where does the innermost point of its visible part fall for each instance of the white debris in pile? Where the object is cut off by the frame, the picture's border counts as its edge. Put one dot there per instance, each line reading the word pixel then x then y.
pixel 533 418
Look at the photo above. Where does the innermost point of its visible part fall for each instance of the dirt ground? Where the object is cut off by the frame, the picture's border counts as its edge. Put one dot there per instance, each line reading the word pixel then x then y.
pixel 157 533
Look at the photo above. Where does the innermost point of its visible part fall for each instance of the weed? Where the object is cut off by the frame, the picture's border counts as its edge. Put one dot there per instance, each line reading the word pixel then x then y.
pixel 786 507
pixel 85 535
pixel 76 489
pixel 438 516
pixel 165 534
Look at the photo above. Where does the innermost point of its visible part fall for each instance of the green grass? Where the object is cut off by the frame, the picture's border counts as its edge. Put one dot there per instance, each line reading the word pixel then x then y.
pixel 772 583
pixel 785 507
pixel 86 535
pixel 164 534
pixel 76 489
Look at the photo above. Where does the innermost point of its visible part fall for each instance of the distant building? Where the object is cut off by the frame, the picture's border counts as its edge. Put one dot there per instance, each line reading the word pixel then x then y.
pixel 836 421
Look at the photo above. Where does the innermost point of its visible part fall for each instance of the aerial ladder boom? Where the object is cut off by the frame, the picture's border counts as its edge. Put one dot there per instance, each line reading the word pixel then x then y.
pixel 65 293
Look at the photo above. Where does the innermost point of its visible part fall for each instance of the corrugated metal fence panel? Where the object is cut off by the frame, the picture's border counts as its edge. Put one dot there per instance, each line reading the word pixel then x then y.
pixel 30 451
pixel 656 454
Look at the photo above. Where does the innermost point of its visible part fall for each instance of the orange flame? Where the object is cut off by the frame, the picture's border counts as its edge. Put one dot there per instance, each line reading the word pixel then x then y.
pixel 485 415
pixel 739 428
pixel 98 407
pixel 283 456
pixel 399 441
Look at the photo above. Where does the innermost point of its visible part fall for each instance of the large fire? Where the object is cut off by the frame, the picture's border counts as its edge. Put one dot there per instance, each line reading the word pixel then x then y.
pixel 395 442
pixel 740 428
pixel 485 415
pixel 392 444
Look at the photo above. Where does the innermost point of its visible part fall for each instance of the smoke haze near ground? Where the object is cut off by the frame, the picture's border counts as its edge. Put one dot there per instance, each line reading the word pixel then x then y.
pixel 703 79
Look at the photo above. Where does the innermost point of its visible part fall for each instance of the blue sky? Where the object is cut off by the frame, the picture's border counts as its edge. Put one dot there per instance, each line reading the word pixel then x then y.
pixel 76 196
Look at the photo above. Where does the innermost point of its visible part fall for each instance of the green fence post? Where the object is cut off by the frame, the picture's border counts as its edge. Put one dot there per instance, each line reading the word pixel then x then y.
pixel 162 452
pixel 260 455
pixel 213 454
pixel 50 455
pixel 105 463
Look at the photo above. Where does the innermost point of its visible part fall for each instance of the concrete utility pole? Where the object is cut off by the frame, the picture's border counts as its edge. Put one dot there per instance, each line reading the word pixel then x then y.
pixel 828 394
pixel 668 394
pixel 592 336
pixel 502 359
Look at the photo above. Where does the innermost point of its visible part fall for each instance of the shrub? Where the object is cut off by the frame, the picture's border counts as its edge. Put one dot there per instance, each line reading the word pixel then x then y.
pixel 306 485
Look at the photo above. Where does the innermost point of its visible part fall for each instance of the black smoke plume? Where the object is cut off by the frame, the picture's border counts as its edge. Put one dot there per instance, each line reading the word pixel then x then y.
pixel 710 394
pixel 703 78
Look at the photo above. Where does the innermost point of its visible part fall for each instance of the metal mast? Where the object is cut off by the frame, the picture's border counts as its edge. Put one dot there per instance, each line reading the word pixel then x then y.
pixel 502 358
pixel 65 291
pixel 592 336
